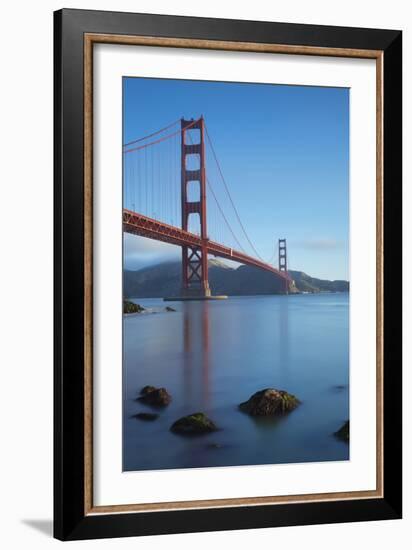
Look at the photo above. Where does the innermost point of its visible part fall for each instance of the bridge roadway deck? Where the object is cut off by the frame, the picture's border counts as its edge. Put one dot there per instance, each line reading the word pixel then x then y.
pixel 141 225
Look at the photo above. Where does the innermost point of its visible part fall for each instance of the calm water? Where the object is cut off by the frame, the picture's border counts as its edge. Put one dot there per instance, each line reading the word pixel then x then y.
pixel 211 356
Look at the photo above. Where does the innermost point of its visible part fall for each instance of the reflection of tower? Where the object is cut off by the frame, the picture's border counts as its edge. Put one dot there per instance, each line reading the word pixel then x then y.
pixel 205 351
pixel 284 339
pixel 187 353
pixel 196 349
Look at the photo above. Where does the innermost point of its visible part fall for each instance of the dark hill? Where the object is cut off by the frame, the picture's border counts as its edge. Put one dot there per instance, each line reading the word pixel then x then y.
pixel 164 279
pixel 305 283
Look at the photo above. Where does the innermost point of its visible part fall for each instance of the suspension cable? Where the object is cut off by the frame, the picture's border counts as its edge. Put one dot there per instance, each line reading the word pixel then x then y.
pixel 219 207
pixel 151 135
pixel 224 217
pixel 229 195
pixel 168 136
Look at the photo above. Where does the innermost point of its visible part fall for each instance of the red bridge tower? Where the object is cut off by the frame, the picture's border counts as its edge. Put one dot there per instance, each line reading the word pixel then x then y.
pixel 283 261
pixel 195 280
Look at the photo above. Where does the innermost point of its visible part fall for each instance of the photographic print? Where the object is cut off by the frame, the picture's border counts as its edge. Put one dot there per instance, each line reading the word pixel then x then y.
pixel 227 324
pixel 235 274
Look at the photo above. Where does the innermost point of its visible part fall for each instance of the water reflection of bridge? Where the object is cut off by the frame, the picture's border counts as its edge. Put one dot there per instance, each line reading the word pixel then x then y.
pixel 196 348
pixel 198 345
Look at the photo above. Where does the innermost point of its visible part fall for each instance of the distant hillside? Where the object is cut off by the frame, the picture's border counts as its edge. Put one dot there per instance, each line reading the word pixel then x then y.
pixel 305 283
pixel 164 279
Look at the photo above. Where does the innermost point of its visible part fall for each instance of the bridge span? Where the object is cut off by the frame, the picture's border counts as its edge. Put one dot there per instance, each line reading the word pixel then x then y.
pixel 195 247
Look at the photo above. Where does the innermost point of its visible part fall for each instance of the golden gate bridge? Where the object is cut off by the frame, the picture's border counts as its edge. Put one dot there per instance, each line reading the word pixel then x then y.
pixel 166 193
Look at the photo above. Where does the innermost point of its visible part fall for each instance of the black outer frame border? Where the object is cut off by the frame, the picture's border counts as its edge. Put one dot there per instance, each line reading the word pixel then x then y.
pixel 70 523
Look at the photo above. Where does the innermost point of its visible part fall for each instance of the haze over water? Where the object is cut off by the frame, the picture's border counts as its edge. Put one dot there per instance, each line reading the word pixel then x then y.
pixel 211 356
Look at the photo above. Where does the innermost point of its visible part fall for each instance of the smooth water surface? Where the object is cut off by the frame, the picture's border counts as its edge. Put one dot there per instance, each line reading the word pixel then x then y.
pixel 213 355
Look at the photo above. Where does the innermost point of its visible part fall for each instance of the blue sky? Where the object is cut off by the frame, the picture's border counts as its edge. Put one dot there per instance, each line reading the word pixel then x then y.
pixel 284 151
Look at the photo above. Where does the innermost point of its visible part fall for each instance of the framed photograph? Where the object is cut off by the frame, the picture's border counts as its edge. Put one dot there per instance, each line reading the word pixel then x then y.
pixel 227 274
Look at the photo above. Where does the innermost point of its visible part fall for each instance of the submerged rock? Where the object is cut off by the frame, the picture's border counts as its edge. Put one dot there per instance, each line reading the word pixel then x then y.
pixel 269 402
pixel 343 432
pixel 213 446
pixel 157 397
pixel 131 307
pixel 168 308
pixel 146 416
pixel 147 389
pixel 339 387
pixel 193 424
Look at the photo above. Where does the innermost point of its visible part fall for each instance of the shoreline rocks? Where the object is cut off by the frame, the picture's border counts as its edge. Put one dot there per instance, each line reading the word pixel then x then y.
pixel 131 307
pixel 269 402
pixel 194 424
pixel 157 397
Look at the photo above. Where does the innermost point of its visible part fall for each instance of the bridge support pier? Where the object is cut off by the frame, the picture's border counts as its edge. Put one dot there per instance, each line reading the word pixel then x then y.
pixel 195 272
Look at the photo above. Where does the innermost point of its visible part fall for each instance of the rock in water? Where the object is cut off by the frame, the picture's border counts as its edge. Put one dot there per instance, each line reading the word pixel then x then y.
pixel 157 397
pixel 339 388
pixel 147 389
pixel 269 402
pixel 213 446
pixel 168 308
pixel 146 416
pixel 343 432
pixel 131 307
pixel 193 424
